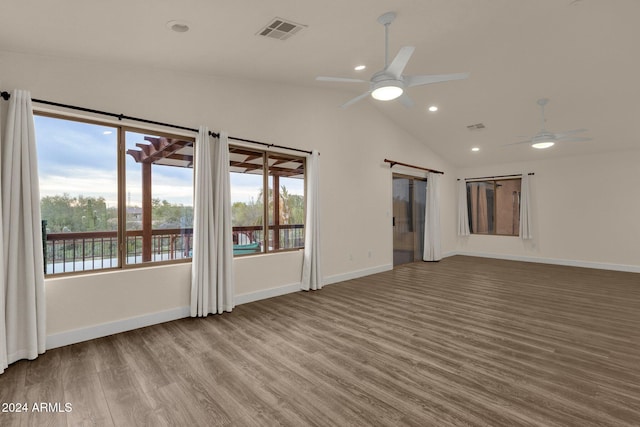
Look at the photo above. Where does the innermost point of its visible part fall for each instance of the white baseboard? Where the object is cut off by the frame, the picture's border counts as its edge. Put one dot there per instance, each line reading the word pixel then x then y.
pixel 267 293
pixel 102 330
pixel 555 261
pixel 357 274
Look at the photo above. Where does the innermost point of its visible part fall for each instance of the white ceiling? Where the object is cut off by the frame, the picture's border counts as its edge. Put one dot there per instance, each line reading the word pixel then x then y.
pixel 583 55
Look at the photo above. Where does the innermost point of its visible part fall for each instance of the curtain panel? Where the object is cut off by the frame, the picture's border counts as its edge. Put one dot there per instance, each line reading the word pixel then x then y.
pixel 22 293
pixel 526 225
pixel 212 278
pixel 432 239
pixel 311 264
pixel 463 210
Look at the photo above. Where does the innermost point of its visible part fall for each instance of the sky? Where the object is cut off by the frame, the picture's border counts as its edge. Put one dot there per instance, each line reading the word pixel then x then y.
pixel 79 158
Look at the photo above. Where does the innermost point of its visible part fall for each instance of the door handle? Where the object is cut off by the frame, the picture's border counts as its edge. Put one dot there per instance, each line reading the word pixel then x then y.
pixel 394 221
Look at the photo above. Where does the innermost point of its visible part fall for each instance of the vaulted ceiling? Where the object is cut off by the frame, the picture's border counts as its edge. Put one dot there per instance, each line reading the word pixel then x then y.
pixel 581 54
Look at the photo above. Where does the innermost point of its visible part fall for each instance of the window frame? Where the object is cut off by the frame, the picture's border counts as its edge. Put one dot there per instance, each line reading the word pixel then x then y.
pixel 266 226
pixel 494 223
pixel 121 232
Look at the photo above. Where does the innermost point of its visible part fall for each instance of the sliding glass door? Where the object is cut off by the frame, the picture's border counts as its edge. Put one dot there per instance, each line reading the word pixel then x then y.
pixel 409 199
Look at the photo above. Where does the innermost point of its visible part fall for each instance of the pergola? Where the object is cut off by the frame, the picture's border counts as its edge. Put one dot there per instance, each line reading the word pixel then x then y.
pixel 177 152
pixel 157 151
pixel 244 160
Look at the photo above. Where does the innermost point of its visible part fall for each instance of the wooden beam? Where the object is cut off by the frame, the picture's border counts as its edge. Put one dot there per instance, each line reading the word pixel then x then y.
pixel 146 212
pixel 157 148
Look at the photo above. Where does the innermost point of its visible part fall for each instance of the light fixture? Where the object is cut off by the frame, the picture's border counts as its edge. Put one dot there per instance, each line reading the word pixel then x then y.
pixel 107 132
pixel 543 140
pixel 360 67
pixel 475 149
pixel 387 90
pixel 543 145
pixel 433 108
pixel 178 26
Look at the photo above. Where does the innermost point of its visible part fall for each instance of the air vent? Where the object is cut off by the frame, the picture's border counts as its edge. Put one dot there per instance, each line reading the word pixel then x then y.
pixel 280 29
pixel 477 126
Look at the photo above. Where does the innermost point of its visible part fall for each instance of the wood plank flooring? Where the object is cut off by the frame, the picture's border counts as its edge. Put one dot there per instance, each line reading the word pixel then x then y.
pixel 466 341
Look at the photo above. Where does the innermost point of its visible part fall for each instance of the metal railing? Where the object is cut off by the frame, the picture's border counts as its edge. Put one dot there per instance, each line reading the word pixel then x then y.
pixel 96 250
pixel 281 236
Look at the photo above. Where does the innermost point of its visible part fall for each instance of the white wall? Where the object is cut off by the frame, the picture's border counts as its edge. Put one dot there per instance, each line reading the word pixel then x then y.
pixel 355 183
pixel 586 212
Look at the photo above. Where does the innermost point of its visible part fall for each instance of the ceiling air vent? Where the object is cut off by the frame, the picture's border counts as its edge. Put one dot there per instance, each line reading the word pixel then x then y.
pixel 477 126
pixel 280 29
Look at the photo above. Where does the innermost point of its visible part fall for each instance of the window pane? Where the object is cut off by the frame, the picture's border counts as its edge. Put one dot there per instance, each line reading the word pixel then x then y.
pixel 247 205
pixel 508 207
pixel 286 202
pixel 77 167
pixel 480 203
pixel 159 185
pixel 494 207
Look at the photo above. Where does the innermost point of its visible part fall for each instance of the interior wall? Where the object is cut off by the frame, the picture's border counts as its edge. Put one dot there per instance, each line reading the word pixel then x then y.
pixel 355 182
pixel 585 212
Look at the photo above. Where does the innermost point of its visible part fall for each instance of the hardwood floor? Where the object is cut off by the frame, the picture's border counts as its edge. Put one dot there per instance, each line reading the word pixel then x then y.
pixel 466 341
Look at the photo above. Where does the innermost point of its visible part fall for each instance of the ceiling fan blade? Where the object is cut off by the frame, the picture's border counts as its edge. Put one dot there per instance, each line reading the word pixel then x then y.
pixel 528 141
pixel 406 100
pixel 356 99
pixel 400 61
pixel 575 139
pixel 569 132
pixel 435 78
pixel 339 80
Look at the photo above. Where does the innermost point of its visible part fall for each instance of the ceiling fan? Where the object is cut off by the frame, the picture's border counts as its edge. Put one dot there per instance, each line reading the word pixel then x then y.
pixel 390 83
pixel 546 139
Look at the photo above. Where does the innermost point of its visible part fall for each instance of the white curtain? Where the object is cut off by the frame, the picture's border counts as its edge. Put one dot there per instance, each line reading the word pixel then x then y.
pixel 212 279
pixel 311 265
pixel 432 249
pixel 463 211
pixel 22 295
pixel 526 232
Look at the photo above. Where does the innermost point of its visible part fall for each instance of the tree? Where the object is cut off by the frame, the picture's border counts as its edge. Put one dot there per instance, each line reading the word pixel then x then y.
pixel 66 213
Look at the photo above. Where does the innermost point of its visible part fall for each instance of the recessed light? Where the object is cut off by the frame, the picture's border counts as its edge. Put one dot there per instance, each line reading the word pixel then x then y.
pixel 178 26
pixel 475 149
pixel 360 67
pixel 433 108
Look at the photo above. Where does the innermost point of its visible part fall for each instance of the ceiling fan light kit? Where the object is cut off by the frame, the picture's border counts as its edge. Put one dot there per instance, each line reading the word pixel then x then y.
pixel 389 83
pixel 542 145
pixel 387 90
pixel 546 139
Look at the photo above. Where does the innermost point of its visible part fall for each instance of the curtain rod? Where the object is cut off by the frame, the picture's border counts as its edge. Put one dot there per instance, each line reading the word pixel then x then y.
pixel 6 95
pixel 393 163
pixel 498 176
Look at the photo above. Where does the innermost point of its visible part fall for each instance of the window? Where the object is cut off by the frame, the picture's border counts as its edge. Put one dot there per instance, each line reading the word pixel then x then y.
pixel 271 186
pixel 99 215
pixel 494 206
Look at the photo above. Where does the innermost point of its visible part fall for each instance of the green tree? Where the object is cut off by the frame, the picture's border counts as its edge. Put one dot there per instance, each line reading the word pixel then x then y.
pixel 74 214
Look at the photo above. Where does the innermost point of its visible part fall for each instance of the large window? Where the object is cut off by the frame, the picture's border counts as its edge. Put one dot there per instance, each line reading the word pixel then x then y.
pixel 112 196
pixel 494 206
pixel 271 186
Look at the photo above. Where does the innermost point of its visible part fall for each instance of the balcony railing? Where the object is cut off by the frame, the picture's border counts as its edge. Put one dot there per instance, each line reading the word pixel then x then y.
pixel 82 251
pixel 250 239
pixel 96 250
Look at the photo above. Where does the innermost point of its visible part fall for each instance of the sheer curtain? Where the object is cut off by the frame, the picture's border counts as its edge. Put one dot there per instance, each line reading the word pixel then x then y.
pixel 463 212
pixel 22 294
pixel 212 279
pixel 526 232
pixel 311 265
pixel 432 246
